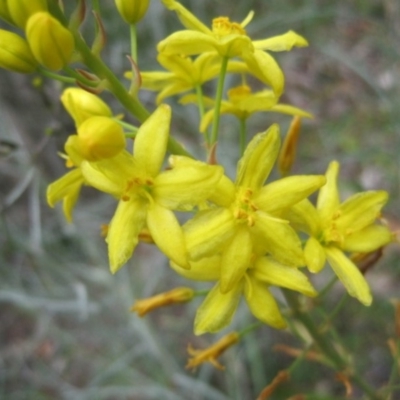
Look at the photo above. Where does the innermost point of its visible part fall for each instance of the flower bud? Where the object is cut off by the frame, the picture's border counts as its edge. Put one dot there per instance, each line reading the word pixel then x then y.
pixel 132 11
pixel 82 105
pixel 51 43
pixel 5 12
pixel 174 296
pixel 15 53
pixel 100 138
pixel 22 10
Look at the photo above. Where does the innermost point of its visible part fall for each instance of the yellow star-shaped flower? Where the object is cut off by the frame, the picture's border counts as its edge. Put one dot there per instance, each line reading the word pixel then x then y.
pixel 148 195
pixel 229 39
pixel 337 228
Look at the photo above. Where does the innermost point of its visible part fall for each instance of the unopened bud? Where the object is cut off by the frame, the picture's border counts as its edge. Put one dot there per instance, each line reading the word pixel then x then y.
pixel 100 138
pixel 132 11
pixel 51 43
pixel 15 53
pixel 22 10
pixel 82 105
pixel 289 147
pixel 174 296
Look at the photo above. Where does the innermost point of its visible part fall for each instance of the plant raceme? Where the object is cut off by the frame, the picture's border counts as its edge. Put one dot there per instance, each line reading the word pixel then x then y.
pixel 245 235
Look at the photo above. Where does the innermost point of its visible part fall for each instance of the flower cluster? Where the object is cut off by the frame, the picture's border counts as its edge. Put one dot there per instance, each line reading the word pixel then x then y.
pixel 244 235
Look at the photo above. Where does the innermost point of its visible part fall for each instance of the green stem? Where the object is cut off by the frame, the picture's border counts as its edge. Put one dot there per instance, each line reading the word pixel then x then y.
pixel 325 345
pixel 56 77
pixel 132 104
pixel 133 36
pixel 242 136
pixel 218 99
pixel 78 77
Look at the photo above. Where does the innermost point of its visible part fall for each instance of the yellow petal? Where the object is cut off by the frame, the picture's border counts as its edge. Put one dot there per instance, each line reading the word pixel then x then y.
pixel 314 254
pixel 188 184
pixel 368 239
pixel 66 188
pixel 258 159
pixel 151 141
pixel 206 269
pixel 167 234
pixel 360 210
pixel 217 310
pixel 328 197
pixel 264 67
pixel 280 240
pixel 123 231
pixel 290 110
pixel 224 192
pixel 270 271
pixel 262 304
pixel 305 217
pixel 236 259
pixel 188 20
pixel 208 231
pixel 349 274
pixel 286 192
pixel 283 42
pixel 188 43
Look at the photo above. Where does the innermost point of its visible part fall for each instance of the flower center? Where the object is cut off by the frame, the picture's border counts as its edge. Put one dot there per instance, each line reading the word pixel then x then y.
pixel 141 187
pixel 244 208
pixel 239 93
pixel 222 26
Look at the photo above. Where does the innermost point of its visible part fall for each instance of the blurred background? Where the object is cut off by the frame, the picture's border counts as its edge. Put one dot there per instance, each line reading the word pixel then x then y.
pixel 65 327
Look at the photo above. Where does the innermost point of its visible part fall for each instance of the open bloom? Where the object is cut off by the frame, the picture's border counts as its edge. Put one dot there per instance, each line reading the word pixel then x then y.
pixel 229 39
pixel 183 73
pixel 218 309
pixel 68 187
pixel 243 103
pixel 148 195
pixel 336 228
pixel 247 215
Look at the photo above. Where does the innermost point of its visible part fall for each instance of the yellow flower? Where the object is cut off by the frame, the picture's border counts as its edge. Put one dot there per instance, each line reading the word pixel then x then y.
pixel 211 353
pixel 82 105
pixel 248 215
pixel 21 10
pixel 68 187
pixel 243 103
pixel 218 308
pixel 147 195
pixel 132 11
pixel 15 54
pixel 229 39
pixel 51 43
pixel 174 296
pixel 183 73
pixel 336 228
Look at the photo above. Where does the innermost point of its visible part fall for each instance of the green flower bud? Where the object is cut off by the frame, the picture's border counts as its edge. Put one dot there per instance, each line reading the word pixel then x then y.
pixel 82 105
pixel 51 43
pixel 5 12
pixel 15 53
pixel 132 11
pixel 22 10
pixel 100 138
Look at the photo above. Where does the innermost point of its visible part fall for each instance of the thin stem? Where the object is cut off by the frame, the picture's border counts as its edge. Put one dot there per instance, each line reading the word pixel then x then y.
pixel 56 77
pixel 133 36
pixel 218 99
pixel 242 136
pixel 325 345
pixel 78 77
pixel 132 104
